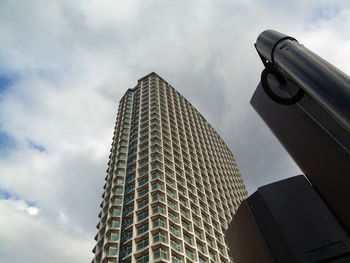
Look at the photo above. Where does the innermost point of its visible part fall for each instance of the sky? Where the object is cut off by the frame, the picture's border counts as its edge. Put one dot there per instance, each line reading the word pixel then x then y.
pixel 65 64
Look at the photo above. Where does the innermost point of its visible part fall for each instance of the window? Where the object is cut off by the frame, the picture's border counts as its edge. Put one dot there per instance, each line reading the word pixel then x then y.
pixel 171 193
pixel 119 181
pixel 210 242
pixel 200 247
pixel 175 260
pixel 205 217
pixel 142 229
pixel 114 236
pixel 158 209
pixel 156 148
pixel 156 165
pixel 156 176
pixel 128 250
pixel 157 186
pixel 175 245
pixel 183 201
pixel 118 190
pixel 173 217
pixel 198 223
pixel 212 256
pixel 130 178
pixel 159 237
pixel 127 221
pixel 130 187
pixel 188 239
pixel 121 164
pixel 185 213
pixel 143 259
pixel 159 223
pixel 170 182
pixel 160 253
pixel 186 226
pixel 115 223
pixel 189 254
pixel 198 234
pixel 127 235
pixel 221 249
pixel 142 203
pixel 143 181
pixel 120 172
pixel 128 209
pixel 143 191
pixel 112 250
pixel 157 197
pixel 116 211
pixel 172 205
pixel 142 216
pixel 129 197
pixel 143 154
pixel 156 157
pixel 175 231
pixel 143 172
pixel 142 243
pixel 122 149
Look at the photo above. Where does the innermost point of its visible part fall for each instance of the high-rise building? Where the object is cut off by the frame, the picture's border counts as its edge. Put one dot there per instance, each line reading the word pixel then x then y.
pixel 172 185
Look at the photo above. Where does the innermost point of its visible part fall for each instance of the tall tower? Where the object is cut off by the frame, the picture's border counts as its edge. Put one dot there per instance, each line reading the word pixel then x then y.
pixel 172 185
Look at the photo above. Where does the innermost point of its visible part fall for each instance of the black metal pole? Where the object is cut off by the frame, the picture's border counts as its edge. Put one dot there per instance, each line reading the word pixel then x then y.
pixel 326 84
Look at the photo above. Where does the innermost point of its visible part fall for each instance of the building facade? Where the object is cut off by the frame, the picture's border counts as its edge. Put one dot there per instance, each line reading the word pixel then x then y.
pixel 172 185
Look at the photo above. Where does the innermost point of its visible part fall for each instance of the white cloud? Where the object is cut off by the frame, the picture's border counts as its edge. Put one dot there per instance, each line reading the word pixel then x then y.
pixel 21 205
pixel 74 60
pixel 331 37
pixel 63 218
pixel 28 235
pixel 32 210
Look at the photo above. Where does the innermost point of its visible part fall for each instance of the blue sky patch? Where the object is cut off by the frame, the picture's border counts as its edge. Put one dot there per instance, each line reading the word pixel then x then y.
pixel 323 13
pixel 36 146
pixel 327 12
pixel 6 141
pixel 5 82
pixel 30 203
pixel 5 194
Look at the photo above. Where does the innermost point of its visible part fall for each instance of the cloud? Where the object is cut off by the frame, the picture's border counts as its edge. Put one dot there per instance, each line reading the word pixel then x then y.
pixel 24 233
pixel 32 210
pixel 71 61
pixel 21 205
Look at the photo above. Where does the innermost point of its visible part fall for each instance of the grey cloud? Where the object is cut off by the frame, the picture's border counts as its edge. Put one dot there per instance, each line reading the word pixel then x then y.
pixel 36 239
pixel 75 59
